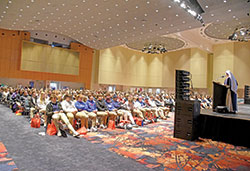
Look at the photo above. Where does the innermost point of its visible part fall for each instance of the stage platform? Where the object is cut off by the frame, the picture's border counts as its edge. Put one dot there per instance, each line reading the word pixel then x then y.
pixel 243 113
pixel 229 128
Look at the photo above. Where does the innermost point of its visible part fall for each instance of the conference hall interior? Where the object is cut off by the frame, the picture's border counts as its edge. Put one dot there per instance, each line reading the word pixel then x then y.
pixel 124 85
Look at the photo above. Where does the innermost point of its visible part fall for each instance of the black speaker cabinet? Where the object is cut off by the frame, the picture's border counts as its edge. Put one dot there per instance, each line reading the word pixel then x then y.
pixel 186 119
pixel 247 95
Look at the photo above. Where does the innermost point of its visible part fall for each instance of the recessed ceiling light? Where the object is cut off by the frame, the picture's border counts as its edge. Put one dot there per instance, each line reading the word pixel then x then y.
pixel 206 6
pixel 157 10
pixel 136 6
pixel 169 6
pixel 176 15
pixel 229 10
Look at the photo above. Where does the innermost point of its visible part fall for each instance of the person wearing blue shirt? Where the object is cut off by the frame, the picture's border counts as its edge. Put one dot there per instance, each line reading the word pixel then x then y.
pixel 83 108
pixel 117 105
pixel 91 105
pixel 111 109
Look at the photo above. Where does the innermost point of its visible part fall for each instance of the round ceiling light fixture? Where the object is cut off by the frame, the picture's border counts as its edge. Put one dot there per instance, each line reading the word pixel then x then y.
pixel 154 48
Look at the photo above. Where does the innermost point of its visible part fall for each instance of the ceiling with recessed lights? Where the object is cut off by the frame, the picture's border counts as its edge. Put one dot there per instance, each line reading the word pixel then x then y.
pixel 169 43
pixel 217 30
pixel 106 23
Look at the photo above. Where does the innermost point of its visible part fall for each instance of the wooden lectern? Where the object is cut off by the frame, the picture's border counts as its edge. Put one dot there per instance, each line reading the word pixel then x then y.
pixel 219 95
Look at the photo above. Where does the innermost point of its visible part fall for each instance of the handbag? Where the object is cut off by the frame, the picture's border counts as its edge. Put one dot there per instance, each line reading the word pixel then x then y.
pixel 111 124
pixel 35 122
pixel 82 131
pixel 51 129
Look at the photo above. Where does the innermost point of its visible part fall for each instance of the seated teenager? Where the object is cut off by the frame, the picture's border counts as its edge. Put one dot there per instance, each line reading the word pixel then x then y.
pixel 72 112
pixel 102 110
pixel 91 105
pixel 25 99
pixel 139 104
pixel 118 106
pixel 55 111
pixel 33 104
pixel 160 105
pixel 111 109
pixel 41 103
pixel 128 107
pixel 137 108
pixel 5 95
pixel 83 107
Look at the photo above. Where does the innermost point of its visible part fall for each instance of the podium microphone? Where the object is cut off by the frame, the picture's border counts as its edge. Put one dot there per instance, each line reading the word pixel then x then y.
pixel 223 76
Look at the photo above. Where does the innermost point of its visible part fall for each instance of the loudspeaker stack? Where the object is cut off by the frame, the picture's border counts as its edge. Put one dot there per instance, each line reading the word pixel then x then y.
pixel 247 95
pixel 186 111
pixel 182 88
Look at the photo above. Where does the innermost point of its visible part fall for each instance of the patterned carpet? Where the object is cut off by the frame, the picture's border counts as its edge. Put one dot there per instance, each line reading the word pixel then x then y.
pixel 154 146
pixel 6 163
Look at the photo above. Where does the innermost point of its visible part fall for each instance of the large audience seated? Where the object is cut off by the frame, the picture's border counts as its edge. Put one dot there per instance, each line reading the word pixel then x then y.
pixel 92 109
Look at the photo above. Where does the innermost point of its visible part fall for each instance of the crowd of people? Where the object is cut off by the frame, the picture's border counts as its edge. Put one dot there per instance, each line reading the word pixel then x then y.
pixel 91 109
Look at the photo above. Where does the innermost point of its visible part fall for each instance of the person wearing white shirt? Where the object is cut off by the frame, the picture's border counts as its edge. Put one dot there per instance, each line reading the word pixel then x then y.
pixel 137 107
pixel 157 112
pixel 69 108
pixel 42 103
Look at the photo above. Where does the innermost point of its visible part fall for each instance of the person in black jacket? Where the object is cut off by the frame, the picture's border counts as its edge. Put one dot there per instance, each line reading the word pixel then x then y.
pixel 33 104
pixel 54 111
pixel 102 110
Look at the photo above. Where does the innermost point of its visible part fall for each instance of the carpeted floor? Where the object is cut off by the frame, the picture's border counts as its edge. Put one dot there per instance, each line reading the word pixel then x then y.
pixel 33 152
pixel 6 162
pixel 155 147
pixel 151 147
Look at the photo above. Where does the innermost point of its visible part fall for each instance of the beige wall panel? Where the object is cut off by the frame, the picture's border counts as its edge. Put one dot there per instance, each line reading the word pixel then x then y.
pixel 128 67
pixel 223 59
pixel 198 68
pixel 242 63
pixel 173 61
pixel 42 58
